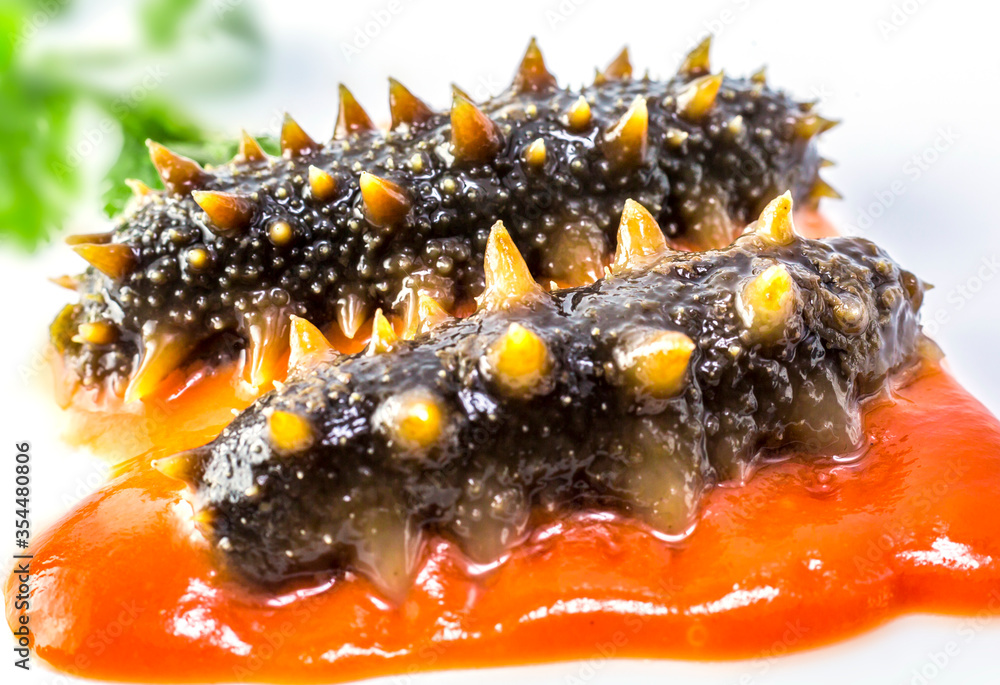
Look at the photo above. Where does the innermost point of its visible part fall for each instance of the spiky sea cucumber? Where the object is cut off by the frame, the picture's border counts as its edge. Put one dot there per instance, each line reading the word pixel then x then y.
pixel 633 394
pixel 331 231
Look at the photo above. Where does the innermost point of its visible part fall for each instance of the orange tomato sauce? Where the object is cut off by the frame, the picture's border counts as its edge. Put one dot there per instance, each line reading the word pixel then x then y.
pixel 123 588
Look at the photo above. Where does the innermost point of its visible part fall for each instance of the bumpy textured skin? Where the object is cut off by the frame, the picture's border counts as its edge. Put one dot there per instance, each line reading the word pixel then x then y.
pixel 354 501
pixel 716 178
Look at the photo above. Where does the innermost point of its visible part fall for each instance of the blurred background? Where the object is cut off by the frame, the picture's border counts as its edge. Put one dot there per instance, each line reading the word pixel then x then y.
pixel 84 82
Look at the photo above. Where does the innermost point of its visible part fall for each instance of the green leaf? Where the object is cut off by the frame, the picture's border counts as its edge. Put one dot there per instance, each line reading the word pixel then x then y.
pixel 39 173
pixel 162 20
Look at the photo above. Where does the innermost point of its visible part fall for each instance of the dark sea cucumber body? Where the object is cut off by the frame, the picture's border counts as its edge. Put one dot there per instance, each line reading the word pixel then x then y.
pixel 702 177
pixel 355 500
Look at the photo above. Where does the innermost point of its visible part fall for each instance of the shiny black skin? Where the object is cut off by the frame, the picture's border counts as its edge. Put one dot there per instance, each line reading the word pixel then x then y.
pixel 439 245
pixel 590 441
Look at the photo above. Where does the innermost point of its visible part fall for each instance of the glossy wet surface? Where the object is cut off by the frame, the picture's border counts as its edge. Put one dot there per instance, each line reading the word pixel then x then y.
pixel 124 588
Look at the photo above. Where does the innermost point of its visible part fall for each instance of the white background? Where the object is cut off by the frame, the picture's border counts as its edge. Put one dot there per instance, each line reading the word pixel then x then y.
pixel 915 83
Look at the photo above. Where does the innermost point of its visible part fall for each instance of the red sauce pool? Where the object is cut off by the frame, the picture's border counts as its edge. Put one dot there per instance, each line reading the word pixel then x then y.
pixel 122 589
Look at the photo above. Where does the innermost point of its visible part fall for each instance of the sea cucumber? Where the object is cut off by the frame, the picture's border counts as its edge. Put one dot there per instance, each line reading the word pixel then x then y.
pixel 219 261
pixel 634 394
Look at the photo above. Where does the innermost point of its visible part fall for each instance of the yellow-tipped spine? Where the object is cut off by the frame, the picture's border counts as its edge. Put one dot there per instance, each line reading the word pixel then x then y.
pixel 508 280
pixel 519 361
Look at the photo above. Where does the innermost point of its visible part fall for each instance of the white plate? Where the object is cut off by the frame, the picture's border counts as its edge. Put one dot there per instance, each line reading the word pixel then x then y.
pixel 914 81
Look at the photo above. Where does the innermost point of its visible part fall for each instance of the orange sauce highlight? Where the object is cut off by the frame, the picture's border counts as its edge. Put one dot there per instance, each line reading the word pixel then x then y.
pixel 801 555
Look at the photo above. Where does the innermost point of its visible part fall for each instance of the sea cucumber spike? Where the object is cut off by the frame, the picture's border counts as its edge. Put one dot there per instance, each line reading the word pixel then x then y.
pixel 265 333
pixel 647 372
pixel 488 538
pixel 179 174
pixel 114 260
pixel 676 137
pixel 139 188
pixel 422 314
pixel 250 150
pixel 458 90
pixel 163 351
pixel 534 154
pixel 306 342
pixel 532 75
pixel 577 254
pixel 414 420
pixel 698 98
pixel 825 163
pixel 383 335
pixel 430 312
pixel 319 238
pixel 579 115
pixel 389 549
pixel 203 520
pixel 352 311
pixel 280 233
pixel 405 107
pixel 102 238
pixel 655 363
pixel 408 302
pixel 775 224
pixel 351 117
pixel 508 280
pixel 760 76
pixel 736 126
pixel 821 189
pixel 230 214
pixel 813 124
pixel 767 302
pixel 67 281
pixel 620 68
pixel 519 362
pixel 322 186
pixel 96 333
pixel 668 488
pixel 183 466
pixel 294 141
pixel 697 62
pixel 639 237
pixel 626 142
pixel 411 314
pixel 474 136
pixel 289 433
pixel 198 258
pixel 385 203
